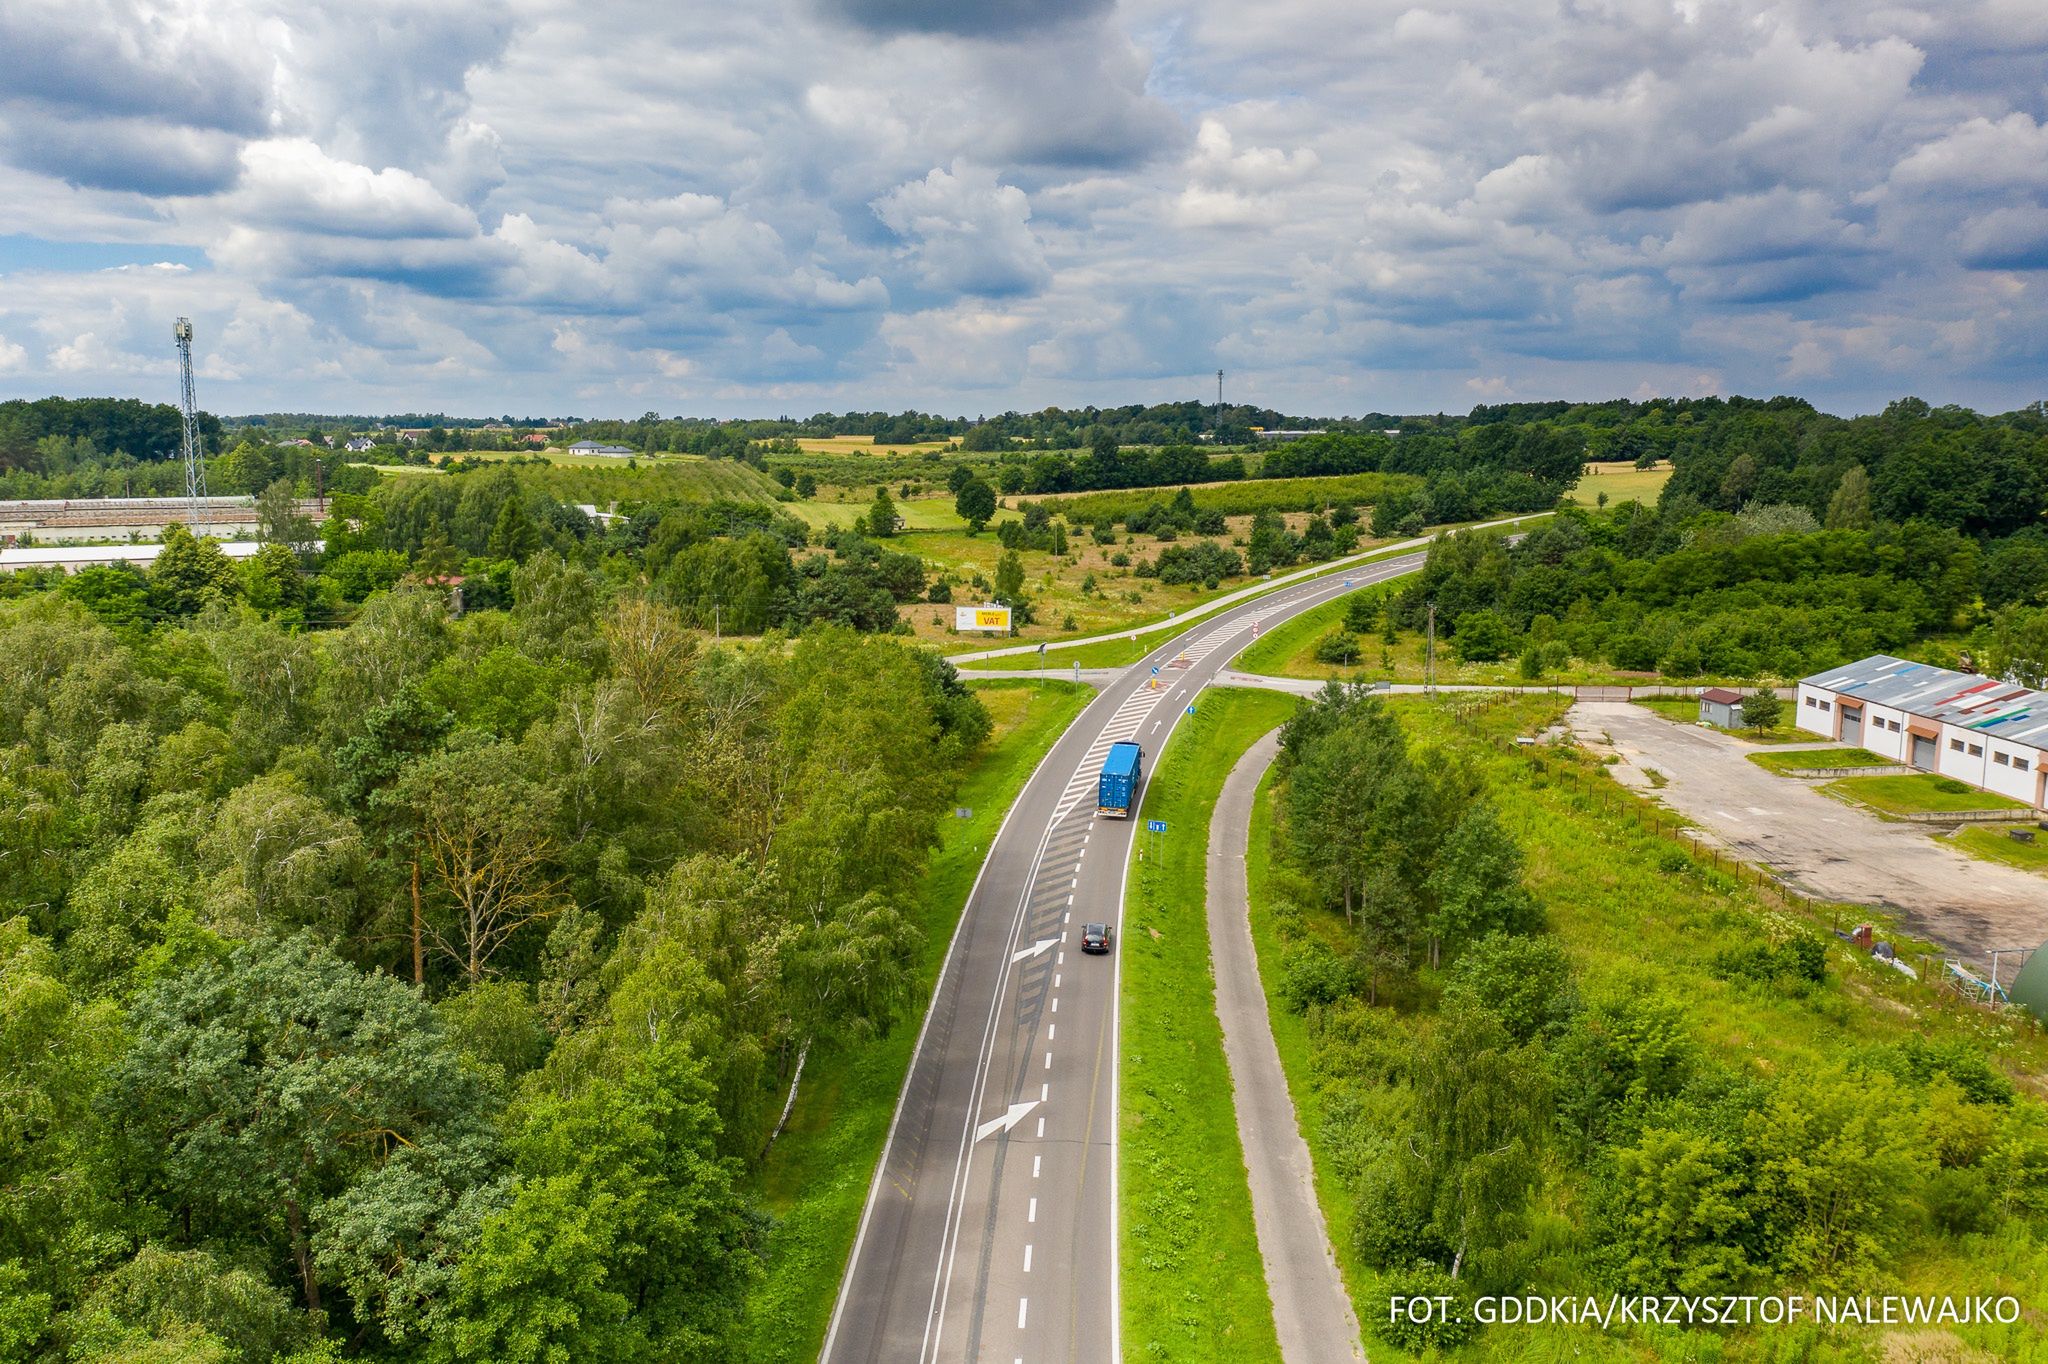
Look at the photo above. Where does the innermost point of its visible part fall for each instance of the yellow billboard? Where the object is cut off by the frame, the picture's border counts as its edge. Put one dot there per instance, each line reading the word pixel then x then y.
pixel 982 618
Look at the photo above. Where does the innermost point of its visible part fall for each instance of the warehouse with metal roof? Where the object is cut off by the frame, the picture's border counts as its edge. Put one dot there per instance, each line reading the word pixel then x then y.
pixel 1981 730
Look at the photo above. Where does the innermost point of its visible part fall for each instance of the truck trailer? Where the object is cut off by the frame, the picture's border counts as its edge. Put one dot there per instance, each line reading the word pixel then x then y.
pixel 1123 771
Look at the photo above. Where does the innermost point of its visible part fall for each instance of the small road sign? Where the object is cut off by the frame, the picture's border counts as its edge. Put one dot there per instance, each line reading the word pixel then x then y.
pixel 1156 826
pixel 962 812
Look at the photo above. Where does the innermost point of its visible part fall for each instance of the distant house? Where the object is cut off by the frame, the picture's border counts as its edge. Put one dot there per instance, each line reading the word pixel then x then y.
pixel 1263 434
pixel 412 435
pixel 591 447
pixel 1722 707
pixel 359 444
pixel 536 438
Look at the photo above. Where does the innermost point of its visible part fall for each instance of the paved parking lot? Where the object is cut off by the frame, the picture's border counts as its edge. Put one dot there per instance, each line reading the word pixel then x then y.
pixel 1816 844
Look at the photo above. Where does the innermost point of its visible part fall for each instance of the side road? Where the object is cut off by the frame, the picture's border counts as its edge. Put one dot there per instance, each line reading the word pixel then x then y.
pixel 1311 1311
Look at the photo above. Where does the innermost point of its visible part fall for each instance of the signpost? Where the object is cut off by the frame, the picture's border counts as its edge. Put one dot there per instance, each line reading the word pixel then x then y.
pixel 994 619
pixel 1154 828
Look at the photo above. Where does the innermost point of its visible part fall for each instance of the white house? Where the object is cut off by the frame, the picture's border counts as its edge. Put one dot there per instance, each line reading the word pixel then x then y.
pixel 591 447
pixel 1981 730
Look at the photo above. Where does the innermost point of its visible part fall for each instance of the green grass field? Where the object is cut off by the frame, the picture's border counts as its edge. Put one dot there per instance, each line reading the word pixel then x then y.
pixel 1686 711
pixel 682 478
pixel 816 1179
pixel 1193 1284
pixel 1993 843
pixel 1239 497
pixel 1621 483
pixel 1786 760
pixel 1635 912
pixel 1917 793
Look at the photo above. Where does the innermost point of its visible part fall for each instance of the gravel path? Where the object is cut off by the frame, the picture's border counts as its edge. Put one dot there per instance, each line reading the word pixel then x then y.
pixel 1311 1310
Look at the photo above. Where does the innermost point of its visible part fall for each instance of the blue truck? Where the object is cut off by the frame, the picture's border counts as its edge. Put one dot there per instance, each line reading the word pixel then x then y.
pixel 1123 771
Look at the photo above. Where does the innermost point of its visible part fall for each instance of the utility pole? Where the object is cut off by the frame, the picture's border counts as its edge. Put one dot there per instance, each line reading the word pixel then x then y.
pixel 1429 656
pixel 1216 426
pixel 195 467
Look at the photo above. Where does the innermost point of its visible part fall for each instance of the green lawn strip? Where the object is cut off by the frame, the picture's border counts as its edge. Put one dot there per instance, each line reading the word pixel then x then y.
pixel 1993 843
pixel 1291 1037
pixel 1289 650
pixel 816 1179
pixel 1785 760
pixel 1917 793
pixel 1194 1286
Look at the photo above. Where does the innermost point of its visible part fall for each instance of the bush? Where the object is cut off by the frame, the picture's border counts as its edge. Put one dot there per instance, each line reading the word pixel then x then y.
pixel 1312 974
pixel 1339 647
pixel 1482 637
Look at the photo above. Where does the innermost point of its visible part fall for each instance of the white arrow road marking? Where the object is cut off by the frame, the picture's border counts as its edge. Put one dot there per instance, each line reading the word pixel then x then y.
pixel 1041 946
pixel 1007 1121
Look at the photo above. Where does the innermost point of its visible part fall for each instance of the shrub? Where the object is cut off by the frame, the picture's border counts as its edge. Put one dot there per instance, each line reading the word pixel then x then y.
pixel 1338 646
pixel 1311 974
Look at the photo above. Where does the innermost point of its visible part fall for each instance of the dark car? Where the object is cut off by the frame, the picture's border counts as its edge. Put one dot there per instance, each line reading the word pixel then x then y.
pixel 1094 937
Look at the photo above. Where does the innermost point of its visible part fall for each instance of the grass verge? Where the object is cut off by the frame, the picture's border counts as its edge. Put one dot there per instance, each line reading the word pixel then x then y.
pixel 1994 843
pixel 1786 760
pixel 1918 793
pixel 816 1179
pixel 1194 1286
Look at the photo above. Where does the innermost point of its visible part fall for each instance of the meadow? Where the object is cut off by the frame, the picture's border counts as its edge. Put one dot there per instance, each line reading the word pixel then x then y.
pixel 1621 483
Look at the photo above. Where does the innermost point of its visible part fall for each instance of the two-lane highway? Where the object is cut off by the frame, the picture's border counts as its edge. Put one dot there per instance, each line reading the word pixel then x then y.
pixel 991 1227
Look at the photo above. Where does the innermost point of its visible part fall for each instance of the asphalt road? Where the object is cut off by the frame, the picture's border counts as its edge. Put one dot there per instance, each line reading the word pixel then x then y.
pixel 1311 1311
pixel 990 1228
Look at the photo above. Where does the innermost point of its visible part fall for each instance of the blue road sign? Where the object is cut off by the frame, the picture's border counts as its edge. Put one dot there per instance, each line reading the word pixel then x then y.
pixel 1155 670
pixel 1191 708
pixel 1157 826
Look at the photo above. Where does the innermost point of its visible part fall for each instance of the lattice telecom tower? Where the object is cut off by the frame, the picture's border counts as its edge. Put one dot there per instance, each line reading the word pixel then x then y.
pixel 195 461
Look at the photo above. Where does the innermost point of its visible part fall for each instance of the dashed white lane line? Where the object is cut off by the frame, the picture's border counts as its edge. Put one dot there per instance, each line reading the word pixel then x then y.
pixel 1044 1094
pixel 1055 1003
pixel 1041 1127
pixel 1027 1259
pixel 1034 1166
pixel 1062 961
pixel 1055 980
pixel 1031 1213
pixel 1052 1032
pixel 1048 1060
pixel 1023 1310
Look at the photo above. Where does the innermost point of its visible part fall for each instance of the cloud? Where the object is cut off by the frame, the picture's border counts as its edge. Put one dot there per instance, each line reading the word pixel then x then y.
pixel 876 202
pixel 965 18
pixel 968 233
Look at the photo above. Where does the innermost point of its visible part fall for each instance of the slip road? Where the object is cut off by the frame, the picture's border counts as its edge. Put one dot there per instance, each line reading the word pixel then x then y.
pixel 990 1231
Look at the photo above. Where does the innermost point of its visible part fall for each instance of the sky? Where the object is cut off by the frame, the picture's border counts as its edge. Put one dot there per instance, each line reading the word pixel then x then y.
pixel 553 207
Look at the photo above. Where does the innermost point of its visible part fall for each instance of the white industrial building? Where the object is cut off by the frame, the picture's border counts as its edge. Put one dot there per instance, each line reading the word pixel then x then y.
pixel 1976 729
pixel 73 558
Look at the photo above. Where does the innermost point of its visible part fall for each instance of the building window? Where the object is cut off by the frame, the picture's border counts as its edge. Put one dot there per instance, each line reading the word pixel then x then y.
pixel 1811 702
pixel 1823 705
pixel 1956 744
pixel 2001 760
pixel 1976 750
pixel 2019 764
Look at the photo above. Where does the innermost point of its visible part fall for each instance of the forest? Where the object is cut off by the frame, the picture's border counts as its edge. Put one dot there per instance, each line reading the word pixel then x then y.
pixel 1542 1048
pixel 427 987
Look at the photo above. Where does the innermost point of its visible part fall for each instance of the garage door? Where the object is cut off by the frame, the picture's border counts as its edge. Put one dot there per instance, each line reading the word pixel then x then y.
pixel 1923 753
pixel 1852 726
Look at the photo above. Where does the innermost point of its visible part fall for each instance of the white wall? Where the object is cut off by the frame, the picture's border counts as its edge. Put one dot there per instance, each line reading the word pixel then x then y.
pixel 2006 779
pixel 1809 717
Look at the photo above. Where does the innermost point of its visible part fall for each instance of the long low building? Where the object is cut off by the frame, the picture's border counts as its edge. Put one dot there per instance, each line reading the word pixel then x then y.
pixel 1976 729
pixel 72 558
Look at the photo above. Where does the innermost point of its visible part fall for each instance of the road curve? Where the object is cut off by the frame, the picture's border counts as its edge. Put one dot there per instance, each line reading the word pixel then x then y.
pixel 1311 1311
pixel 990 1230
pixel 1204 610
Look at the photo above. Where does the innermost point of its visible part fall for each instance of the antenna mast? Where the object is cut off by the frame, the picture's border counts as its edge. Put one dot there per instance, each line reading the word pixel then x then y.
pixel 195 467
pixel 1218 425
